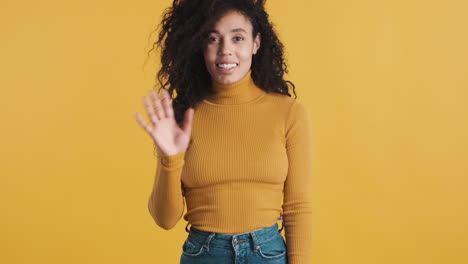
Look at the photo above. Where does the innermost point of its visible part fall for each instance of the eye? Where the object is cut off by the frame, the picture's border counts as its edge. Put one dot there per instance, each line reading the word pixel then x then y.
pixel 211 39
pixel 241 38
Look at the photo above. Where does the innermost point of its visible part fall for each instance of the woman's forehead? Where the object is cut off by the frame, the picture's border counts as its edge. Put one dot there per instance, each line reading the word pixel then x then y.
pixel 232 21
pixel 234 30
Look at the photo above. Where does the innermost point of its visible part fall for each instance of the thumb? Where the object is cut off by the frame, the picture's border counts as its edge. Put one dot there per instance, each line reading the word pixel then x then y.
pixel 188 117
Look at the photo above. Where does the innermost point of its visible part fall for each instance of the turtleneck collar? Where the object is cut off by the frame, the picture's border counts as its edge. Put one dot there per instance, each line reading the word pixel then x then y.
pixel 240 92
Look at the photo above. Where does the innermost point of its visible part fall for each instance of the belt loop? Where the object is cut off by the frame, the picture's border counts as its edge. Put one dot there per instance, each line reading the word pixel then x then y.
pixel 186 228
pixel 207 241
pixel 255 242
pixel 282 223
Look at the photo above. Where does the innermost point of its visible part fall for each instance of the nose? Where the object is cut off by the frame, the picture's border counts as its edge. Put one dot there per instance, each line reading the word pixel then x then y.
pixel 225 48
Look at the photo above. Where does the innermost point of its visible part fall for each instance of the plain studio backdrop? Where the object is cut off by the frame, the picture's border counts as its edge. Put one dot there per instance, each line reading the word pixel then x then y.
pixel 385 82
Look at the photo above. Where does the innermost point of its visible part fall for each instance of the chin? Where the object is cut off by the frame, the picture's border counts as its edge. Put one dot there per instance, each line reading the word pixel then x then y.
pixel 228 79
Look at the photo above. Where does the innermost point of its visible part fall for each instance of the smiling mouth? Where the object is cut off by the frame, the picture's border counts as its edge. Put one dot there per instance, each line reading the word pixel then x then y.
pixel 227 66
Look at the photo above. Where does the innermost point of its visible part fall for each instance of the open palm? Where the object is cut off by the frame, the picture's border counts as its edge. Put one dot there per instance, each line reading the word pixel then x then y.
pixel 164 130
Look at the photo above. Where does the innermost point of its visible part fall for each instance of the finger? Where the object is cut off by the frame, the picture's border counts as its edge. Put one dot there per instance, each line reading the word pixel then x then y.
pixel 143 124
pixel 150 110
pixel 157 105
pixel 167 103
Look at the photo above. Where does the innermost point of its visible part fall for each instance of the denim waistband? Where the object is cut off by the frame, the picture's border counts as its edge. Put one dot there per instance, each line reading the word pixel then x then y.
pixel 186 229
pixel 254 237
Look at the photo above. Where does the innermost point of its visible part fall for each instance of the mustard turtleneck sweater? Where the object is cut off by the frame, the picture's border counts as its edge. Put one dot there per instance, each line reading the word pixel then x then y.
pixel 248 162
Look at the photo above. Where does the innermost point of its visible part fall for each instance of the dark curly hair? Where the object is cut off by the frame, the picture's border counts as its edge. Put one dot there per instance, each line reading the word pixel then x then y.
pixel 184 29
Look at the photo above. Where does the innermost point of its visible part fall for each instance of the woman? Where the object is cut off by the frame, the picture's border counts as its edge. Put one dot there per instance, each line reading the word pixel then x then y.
pixel 232 143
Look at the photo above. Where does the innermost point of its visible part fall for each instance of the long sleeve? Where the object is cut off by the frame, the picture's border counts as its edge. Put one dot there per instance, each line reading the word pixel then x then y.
pixel 166 202
pixel 297 204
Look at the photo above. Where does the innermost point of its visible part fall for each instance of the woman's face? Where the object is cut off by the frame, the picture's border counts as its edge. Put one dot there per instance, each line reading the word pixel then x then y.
pixel 230 42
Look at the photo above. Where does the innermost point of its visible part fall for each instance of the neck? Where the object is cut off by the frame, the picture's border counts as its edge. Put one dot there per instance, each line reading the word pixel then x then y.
pixel 240 92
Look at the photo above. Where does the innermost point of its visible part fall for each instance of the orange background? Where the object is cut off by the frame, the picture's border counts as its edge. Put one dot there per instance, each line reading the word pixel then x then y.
pixel 385 81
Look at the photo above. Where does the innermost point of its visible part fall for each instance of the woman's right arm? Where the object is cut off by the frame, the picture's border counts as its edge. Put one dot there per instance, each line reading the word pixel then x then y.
pixel 166 203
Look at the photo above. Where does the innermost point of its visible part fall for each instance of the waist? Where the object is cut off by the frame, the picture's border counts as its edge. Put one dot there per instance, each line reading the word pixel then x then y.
pixel 245 239
pixel 233 210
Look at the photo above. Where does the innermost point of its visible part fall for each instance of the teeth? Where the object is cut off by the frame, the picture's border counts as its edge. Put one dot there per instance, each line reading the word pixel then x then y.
pixel 227 66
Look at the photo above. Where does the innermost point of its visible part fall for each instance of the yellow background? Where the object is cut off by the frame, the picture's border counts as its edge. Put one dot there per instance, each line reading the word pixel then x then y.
pixel 385 81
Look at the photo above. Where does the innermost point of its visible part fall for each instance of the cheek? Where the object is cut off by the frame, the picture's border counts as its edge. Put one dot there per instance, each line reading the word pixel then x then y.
pixel 210 56
pixel 246 55
pixel 246 52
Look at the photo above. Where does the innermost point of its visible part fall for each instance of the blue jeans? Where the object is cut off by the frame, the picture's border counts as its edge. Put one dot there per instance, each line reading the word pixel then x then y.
pixel 264 245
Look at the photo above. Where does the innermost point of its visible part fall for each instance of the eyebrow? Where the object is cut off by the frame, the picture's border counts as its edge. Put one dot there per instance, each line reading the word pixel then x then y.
pixel 234 30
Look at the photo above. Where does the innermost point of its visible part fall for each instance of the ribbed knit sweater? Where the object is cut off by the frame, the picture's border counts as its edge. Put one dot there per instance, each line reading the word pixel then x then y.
pixel 248 163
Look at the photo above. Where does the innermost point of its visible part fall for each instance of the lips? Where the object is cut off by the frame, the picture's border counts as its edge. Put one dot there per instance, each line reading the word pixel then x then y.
pixel 226 67
pixel 226 62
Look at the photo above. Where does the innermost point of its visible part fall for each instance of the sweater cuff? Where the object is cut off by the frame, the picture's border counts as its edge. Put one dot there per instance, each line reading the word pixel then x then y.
pixel 172 161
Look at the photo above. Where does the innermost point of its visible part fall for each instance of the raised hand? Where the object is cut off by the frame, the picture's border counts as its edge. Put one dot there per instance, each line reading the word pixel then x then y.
pixel 164 130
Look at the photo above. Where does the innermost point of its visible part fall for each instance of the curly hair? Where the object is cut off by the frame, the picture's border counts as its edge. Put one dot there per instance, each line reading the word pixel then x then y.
pixel 184 29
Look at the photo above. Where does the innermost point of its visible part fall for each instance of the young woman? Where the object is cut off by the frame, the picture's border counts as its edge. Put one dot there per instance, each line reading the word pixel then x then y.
pixel 233 144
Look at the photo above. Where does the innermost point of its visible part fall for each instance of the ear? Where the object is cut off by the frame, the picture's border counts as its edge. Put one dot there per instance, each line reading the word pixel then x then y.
pixel 256 45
